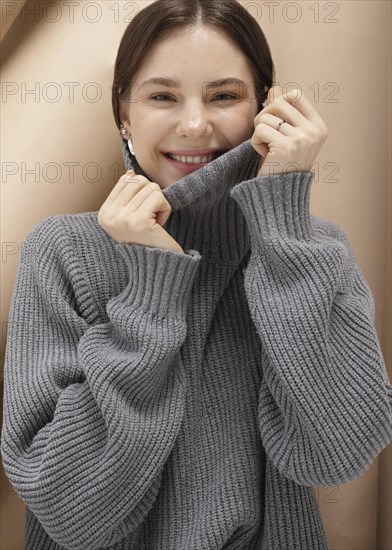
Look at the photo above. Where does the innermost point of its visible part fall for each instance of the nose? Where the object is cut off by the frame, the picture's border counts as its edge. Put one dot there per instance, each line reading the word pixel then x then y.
pixel 194 120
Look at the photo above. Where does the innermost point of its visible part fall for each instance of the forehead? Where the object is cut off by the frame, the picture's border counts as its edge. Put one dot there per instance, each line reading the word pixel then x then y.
pixel 205 49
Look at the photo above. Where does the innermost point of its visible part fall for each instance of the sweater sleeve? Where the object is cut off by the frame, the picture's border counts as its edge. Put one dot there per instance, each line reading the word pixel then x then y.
pixel 325 400
pixel 91 412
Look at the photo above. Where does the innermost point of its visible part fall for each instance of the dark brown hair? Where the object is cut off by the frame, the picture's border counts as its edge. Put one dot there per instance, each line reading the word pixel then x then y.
pixel 163 16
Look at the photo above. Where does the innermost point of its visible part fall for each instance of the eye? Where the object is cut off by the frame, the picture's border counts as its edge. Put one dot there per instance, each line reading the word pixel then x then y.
pixel 228 96
pixel 160 95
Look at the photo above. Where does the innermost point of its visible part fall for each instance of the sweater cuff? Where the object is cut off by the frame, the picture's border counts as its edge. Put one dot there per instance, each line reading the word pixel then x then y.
pixel 276 206
pixel 160 279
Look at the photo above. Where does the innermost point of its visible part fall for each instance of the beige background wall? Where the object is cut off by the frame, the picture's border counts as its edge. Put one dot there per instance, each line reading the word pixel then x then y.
pixel 338 53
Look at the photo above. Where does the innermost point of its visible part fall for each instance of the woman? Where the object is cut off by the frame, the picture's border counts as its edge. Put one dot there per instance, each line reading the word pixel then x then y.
pixel 183 365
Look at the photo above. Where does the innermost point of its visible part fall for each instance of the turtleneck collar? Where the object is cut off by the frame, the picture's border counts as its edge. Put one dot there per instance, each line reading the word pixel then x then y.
pixel 204 217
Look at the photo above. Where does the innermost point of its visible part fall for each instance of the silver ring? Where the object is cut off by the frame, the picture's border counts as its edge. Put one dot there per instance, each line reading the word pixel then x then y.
pixel 280 124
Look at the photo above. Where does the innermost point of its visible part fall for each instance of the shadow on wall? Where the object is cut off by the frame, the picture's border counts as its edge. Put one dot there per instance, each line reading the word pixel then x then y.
pixel 28 12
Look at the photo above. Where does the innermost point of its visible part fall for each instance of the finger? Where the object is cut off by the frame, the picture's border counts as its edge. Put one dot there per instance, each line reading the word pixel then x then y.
pixel 135 201
pixel 283 110
pixel 286 129
pixel 129 176
pixel 131 189
pixel 155 205
pixel 300 102
pixel 265 134
pixel 163 215
pixel 274 122
pixel 262 149
pixel 273 93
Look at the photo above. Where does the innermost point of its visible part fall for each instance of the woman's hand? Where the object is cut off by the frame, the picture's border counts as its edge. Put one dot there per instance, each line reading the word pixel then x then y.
pixel 294 145
pixel 135 212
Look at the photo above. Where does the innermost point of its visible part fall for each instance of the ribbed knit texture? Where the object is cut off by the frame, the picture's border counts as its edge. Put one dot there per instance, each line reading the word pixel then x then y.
pixel 164 401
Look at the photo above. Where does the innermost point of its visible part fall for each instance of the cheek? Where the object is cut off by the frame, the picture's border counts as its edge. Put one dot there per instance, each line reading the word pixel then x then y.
pixel 245 112
pixel 241 123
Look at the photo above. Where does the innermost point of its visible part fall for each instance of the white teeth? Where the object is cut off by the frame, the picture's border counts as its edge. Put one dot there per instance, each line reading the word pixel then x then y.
pixel 192 160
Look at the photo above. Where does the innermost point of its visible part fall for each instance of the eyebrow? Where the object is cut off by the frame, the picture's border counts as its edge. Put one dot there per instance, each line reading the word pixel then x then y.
pixel 170 83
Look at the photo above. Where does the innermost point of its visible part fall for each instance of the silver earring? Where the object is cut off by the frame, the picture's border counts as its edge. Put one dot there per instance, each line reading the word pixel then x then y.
pixel 123 130
pixel 130 147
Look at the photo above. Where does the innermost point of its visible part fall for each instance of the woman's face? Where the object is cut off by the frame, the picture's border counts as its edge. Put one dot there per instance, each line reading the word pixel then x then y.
pixel 194 116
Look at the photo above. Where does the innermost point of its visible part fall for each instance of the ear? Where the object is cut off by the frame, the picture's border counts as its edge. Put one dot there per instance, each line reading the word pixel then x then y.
pixel 123 111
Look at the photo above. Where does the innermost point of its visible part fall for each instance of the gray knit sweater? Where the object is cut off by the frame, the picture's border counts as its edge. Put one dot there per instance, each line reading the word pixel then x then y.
pixel 164 401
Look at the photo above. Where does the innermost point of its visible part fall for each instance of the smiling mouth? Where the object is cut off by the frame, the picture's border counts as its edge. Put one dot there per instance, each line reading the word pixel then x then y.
pixel 194 159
